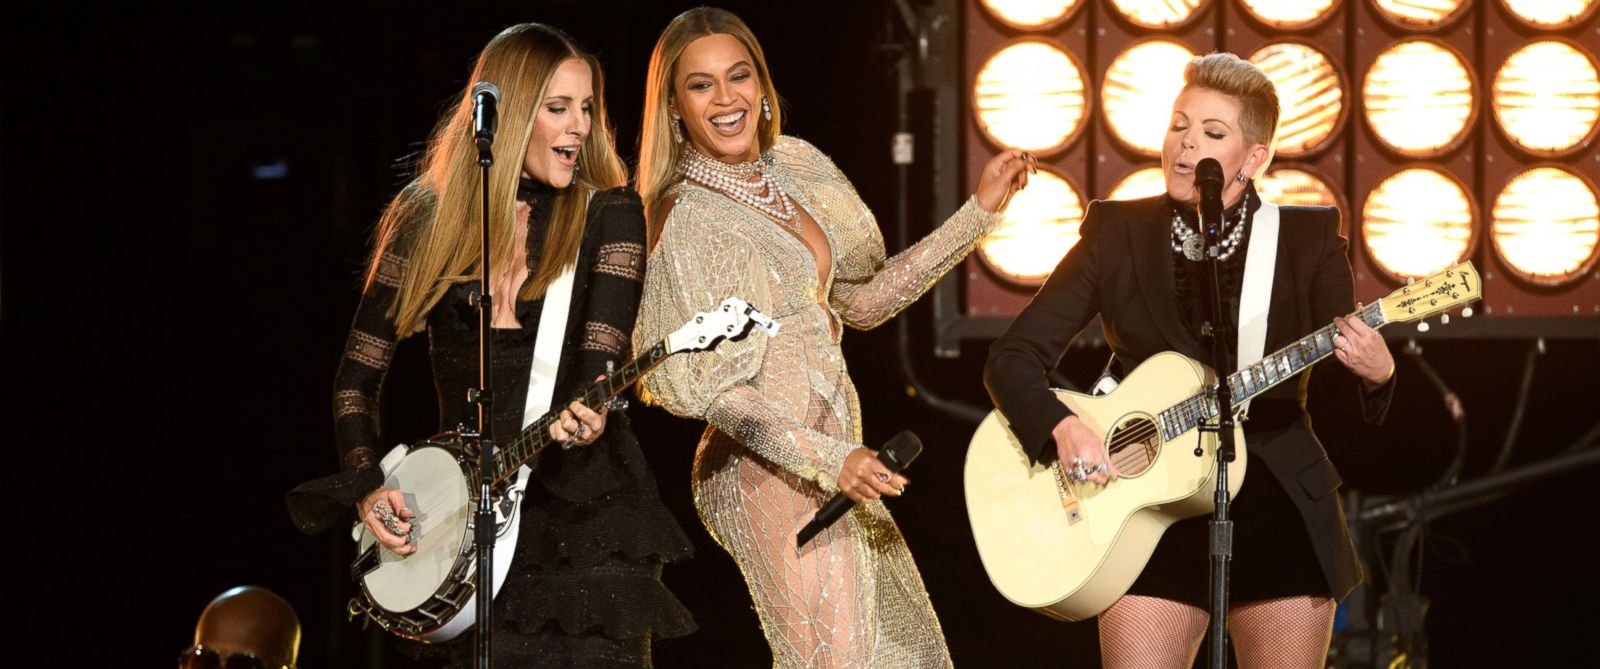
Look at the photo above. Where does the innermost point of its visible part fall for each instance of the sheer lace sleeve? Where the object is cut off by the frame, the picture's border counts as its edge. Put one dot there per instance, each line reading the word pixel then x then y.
pixel 869 289
pixel 699 261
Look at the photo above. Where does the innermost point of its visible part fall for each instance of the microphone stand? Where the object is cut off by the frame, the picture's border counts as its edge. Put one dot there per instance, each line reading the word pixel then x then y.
pixel 1221 535
pixel 483 520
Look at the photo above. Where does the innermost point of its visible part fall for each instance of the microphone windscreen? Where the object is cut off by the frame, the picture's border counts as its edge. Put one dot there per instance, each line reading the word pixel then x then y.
pixel 486 87
pixel 1209 171
pixel 900 451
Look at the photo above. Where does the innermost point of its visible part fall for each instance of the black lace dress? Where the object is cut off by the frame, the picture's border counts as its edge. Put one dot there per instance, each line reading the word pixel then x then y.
pixel 584 588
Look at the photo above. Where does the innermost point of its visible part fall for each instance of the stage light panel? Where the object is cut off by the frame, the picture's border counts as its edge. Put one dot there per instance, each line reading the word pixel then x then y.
pixel 1416 223
pixel 1031 14
pixel 1138 91
pixel 1551 14
pixel 1039 227
pixel 1310 92
pixel 1289 14
pixel 1423 14
pixel 1547 98
pixel 1143 182
pixel 1418 98
pixel 1294 186
pixel 1030 95
pixel 1546 226
pixel 1158 14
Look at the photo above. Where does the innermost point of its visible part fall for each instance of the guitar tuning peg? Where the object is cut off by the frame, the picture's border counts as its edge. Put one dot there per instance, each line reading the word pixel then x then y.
pixel 1444 319
pixel 1466 312
pixel 1422 326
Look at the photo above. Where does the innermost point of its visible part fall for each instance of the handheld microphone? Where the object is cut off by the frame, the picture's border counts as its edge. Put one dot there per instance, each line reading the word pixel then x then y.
pixel 895 455
pixel 485 97
pixel 1208 178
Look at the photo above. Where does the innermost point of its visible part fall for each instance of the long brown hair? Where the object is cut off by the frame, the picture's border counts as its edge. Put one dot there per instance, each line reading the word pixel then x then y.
pixel 438 213
pixel 658 152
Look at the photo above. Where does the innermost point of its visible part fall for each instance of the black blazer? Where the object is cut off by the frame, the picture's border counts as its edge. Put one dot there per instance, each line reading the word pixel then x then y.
pixel 1121 270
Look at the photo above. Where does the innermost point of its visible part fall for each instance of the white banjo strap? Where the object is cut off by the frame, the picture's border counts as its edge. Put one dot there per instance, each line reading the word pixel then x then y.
pixel 1255 296
pixel 547 347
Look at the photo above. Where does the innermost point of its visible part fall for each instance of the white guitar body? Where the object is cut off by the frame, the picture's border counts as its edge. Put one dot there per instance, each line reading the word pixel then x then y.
pixel 420 586
pixel 1070 551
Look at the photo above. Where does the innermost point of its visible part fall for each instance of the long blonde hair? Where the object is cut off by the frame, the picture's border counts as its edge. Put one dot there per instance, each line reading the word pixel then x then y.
pixel 436 220
pixel 658 152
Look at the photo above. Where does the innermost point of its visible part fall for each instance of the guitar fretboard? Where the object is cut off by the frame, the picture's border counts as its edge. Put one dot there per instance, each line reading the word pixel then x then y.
pixel 527 445
pixel 1264 374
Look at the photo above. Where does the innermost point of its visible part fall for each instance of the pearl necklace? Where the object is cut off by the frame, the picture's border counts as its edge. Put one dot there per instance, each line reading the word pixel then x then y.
pixel 1192 245
pixel 746 183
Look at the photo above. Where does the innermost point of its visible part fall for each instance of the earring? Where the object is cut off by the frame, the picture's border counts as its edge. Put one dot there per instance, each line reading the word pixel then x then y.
pixel 766 110
pixel 1241 178
pixel 576 167
pixel 677 134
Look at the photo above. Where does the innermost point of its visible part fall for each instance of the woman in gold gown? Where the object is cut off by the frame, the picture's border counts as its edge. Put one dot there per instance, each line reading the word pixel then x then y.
pixel 737 210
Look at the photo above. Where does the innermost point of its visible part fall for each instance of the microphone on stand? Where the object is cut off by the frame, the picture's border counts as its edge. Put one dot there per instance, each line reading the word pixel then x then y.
pixel 485 97
pixel 1208 178
pixel 895 455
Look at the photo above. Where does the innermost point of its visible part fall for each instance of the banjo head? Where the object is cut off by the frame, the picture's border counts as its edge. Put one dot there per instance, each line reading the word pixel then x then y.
pixel 434 482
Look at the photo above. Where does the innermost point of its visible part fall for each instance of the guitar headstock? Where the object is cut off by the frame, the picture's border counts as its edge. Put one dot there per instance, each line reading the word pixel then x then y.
pixel 1453 287
pixel 727 321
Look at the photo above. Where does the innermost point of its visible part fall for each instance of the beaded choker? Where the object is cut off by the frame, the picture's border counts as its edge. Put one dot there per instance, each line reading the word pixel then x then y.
pixel 746 183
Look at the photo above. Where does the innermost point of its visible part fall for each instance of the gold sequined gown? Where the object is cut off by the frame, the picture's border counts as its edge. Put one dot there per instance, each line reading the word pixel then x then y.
pixel 783 413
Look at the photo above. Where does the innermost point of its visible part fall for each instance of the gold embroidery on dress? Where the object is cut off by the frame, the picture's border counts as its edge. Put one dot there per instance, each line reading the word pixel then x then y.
pixel 360 457
pixel 624 259
pixel 783 413
pixel 369 350
pixel 391 268
pixel 350 402
pixel 604 338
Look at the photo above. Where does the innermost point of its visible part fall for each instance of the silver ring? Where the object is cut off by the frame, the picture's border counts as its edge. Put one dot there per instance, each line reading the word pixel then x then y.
pixel 882 477
pixel 580 431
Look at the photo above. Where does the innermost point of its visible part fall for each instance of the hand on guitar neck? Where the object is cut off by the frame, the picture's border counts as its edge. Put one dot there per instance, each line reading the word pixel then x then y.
pixel 580 426
pixel 1078 446
pixel 1363 351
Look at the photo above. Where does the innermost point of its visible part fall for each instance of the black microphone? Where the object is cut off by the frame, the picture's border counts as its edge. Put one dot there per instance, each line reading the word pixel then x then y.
pixel 485 96
pixel 896 455
pixel 1208 178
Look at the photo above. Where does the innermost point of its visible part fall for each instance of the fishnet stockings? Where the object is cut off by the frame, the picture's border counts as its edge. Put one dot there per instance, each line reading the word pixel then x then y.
pixel 1153 633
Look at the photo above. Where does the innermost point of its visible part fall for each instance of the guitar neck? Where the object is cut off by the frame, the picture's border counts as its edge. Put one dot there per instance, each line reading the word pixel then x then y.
pixel 533 439
pixel 1255 379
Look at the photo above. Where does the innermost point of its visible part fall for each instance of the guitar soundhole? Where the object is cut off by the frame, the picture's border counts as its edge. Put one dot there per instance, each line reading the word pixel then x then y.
pixel 1134 443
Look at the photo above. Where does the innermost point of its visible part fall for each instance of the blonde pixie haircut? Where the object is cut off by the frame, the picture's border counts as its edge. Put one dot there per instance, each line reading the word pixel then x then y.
pixel 658 151
pixel 1241 80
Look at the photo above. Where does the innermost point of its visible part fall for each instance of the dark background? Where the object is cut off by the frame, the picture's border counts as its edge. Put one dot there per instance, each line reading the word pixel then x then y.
pixel 187 199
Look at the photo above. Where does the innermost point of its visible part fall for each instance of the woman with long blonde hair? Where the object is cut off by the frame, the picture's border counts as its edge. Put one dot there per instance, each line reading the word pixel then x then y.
pixel 584 588
pixel 739 210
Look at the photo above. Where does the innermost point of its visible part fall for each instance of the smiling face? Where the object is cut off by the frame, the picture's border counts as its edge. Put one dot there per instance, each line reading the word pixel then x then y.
pixel 718 94
pixel 1205 124
pixel 560 125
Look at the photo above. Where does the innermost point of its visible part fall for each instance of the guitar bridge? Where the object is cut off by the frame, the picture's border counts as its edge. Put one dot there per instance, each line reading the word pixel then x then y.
pixel 1069 500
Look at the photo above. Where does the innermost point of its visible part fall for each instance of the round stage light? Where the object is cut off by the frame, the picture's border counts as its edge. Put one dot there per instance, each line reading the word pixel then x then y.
pixel 1419 98
pixel 1289 14
pixel 1551 13
pixel 1031 14
pixel 1416 223
pixel 1424 14
pixel 1547 98
pixel 1310 91
pixel 1546 226
pixel 1295 186
pixel 1143 182
pixel 1039 227
pixel 1030 95
pixel 1159 14
pixel 1138 92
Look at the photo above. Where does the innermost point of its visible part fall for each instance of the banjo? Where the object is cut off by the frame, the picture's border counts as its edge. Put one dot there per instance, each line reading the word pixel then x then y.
pixel 429 595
